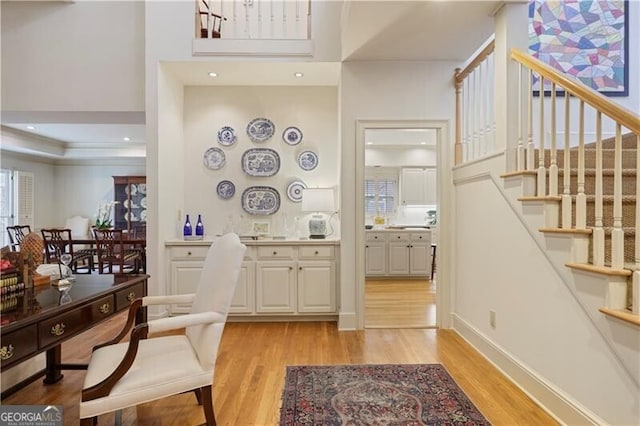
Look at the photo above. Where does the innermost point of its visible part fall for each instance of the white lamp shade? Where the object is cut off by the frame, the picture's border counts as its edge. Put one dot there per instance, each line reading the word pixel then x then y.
pixel 318 200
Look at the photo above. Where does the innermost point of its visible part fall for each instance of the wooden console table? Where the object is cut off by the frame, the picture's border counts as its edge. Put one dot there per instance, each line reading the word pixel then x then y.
pixel 43 319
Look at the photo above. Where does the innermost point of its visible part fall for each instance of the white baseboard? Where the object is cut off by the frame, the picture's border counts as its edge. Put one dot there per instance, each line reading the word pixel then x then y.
pixel 347 321
pixel 558 405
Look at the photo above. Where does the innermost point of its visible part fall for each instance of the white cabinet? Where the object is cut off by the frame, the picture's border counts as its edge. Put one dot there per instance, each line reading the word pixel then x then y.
pixel 290 279
pixel 402 253
pixel 375 253
pixel 420 254
pixel 418 186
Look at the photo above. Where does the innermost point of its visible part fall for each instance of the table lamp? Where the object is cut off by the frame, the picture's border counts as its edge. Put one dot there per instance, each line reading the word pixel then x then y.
pixel 316 201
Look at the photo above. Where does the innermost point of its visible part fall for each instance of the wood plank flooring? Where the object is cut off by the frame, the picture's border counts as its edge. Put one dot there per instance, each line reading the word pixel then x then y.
pixel 400 303
pixel 251 367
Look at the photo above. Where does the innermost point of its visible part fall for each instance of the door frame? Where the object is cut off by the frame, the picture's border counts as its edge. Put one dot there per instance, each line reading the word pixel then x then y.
pixel 443 297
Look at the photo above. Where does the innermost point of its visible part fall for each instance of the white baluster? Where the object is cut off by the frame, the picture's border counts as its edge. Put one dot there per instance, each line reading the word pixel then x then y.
pixel 581 198
pixel 553 166
pixel 284 19
pixel 566 191
pixel 635 285
pixel 477 95
pixel 520 160
pixel 542 175
pixel 598 230
pixel 530 147
pixel 617 234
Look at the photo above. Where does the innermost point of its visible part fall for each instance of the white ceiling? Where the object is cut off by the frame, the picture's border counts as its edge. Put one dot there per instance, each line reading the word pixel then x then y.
pixel 371 30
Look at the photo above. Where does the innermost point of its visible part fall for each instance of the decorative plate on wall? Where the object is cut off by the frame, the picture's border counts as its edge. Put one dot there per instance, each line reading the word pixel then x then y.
pixel 260 129
pixel 292 135
pixel 294 190
pixel 260 200
pixel 227 136
pixel 308 160
pixel 142 188
pixel 260 162
pixel 214 158
pixel 226 189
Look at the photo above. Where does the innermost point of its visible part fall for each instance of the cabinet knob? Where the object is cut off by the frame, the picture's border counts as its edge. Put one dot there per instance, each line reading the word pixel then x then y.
pixel 408 246
pixel 58 329
pixel 105 308
pixel 398 236
pixel 366 246
pixel 300 268
pixel 317 252
pixel 420 237
pixel 291 268
pixel 375 237
pixel 275 252
pixel 6 352
pixel 188 253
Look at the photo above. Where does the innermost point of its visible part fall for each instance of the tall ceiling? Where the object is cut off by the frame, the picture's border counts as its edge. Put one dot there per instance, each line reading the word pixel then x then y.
pixel 419 30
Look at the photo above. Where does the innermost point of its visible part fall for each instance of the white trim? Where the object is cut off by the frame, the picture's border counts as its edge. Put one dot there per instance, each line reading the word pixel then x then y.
pixel 347 321
pixel 557 404
pixel 221 47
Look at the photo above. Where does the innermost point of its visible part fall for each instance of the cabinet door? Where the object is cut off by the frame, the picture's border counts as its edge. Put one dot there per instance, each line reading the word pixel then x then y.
pixel 316 286
pixel 243 301
pixel 430 189
pixel 375 259
pixel 185 277
pixel 420 259
pixel 275 287
pixel 413 187
pixel 399 258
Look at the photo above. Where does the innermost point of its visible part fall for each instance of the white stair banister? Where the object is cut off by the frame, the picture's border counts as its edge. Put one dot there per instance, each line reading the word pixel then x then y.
pixel 598 230
pixel 567 204
pixel 617 234
pixel 542 172
pixel 581 198
pixel 553 166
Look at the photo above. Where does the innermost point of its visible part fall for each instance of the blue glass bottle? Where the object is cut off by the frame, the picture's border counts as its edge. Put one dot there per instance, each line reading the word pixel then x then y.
pixel 199 226
pixel 187 231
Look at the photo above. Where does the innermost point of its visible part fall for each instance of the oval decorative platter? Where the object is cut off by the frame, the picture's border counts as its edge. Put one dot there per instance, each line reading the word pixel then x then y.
pixel 308 160
pixel 294 190
pixel 214 158
pixel 260 129
pixel 260 200
pixel 227 136
pixel 226 189
pixel 292 135
pixel 260 162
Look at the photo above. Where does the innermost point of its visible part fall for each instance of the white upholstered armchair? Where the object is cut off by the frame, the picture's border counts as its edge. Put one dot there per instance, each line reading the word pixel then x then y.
pixel 144 369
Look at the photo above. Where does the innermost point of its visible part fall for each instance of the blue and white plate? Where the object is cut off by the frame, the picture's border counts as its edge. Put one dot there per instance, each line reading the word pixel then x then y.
pixel 260 200
pixel 308 160
pixel 260 129
pixel 292 135
pixel 294 190
pixel 227 136
pixel 262 162
pixel 214 158
pixel 225 189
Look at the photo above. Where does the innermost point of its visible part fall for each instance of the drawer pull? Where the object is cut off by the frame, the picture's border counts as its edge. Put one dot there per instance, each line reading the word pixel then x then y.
pixel 275 252
pixel 291 268
pixel 6 352
pixel 420 237
pixel 188 253
pixel 131 296
pixel 317 253
pixel 300 268
pixel 105 308
pixel 375 237
pixel 398 236
pixel 58 329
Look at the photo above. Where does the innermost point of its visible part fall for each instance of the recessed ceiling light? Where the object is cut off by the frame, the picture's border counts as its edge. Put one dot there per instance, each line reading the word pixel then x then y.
pixel 126 139
pixel 31 127
pixel 299 74
pixel 369 143
pixel 423 143
pixel 213 74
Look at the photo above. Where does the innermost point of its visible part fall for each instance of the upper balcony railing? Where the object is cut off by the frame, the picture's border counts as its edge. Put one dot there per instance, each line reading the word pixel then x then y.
pixel 253 19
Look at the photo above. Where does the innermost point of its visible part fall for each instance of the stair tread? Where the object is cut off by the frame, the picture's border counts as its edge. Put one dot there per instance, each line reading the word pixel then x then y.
pixel 622 314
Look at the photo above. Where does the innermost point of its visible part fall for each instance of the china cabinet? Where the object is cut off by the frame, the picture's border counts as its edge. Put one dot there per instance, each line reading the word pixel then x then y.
pixel 130 211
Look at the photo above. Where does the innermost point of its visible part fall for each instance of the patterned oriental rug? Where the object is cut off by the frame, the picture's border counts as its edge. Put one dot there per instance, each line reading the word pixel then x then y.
pixel 420 394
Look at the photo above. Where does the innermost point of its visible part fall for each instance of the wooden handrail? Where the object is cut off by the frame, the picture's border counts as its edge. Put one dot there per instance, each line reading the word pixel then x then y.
pixel 598 101
pixel 462 74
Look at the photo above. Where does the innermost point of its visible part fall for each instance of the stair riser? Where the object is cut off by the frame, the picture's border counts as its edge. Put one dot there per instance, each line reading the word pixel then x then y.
pixel 608 159
pixel 628 184
pixel 629 249
pixel 628 214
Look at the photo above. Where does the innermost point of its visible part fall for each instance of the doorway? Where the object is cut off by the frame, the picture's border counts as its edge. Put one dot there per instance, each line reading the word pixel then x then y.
pixel 390 151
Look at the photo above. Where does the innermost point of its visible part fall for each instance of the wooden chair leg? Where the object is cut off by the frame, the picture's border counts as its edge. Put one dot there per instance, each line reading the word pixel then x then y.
pixel 198 395
pixel 207 400
pixel 89 421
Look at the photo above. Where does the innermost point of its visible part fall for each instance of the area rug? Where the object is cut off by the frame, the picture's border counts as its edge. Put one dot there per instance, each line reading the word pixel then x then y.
pixel 419 394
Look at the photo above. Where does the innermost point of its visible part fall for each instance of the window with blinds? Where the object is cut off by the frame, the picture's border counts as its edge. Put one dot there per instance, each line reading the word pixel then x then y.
pixel 380 194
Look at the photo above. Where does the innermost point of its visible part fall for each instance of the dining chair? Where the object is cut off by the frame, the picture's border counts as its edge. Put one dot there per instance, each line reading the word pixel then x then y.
pixel 115 254
pixel 148 368
pixel 16 235
pixel 58 241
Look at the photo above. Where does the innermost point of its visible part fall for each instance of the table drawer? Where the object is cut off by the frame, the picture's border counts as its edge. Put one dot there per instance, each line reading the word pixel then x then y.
pixel 315 252
pixel 275 252
pixel 18 344
pixel 102 308
pixel 191 252
pixel 125 297
pixel 58 328
pixel 398 236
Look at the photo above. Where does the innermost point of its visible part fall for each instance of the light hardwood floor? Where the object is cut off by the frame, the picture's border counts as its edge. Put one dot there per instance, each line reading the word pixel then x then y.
pixel 400 303
pixel 251 367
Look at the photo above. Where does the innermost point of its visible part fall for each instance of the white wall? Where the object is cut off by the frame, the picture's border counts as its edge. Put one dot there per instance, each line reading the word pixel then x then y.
pixel 207 109
pixel 395 157
pixel 382 91
pixel 42 43
pixel 541 328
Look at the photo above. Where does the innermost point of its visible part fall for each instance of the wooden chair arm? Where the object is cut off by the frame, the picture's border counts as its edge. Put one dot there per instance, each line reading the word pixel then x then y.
pixel 103 388
pixel 133 310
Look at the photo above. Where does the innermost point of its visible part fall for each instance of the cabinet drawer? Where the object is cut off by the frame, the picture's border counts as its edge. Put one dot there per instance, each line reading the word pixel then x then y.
pixel 421 236
pixel 250 253
pixel 125 297
pixel 375 236
pixel 398 236
pixel 275 252
pixel 315 252
pixel 58 328
pixel 18 344
pixel 188 252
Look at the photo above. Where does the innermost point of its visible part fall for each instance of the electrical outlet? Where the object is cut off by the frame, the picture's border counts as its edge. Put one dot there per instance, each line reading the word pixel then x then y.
pixel 492 318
